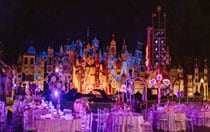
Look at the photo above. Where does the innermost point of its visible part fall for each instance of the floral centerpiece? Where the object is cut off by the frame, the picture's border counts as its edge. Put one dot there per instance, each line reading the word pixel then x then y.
pixel 81 105
pixel 57 84
pixel 179 94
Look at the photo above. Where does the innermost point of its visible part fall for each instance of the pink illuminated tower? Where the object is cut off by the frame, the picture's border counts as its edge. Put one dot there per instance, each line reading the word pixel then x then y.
pixel 157 53
pixel 157 50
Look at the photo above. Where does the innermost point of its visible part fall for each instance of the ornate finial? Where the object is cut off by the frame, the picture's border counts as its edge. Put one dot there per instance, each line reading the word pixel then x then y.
pixel 113 35
pixel 196 60
pixel 113 42
pixel 205 63
pixel 205 60
pixel 88 32
pixel 123 40
pixel 158 8
pixel 154 14
pixel 164 14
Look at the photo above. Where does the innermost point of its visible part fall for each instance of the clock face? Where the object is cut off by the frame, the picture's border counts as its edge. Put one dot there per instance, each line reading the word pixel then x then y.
pixel 49 69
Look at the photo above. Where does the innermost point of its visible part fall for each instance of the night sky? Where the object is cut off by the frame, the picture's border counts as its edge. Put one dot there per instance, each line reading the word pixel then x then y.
pixel 51 22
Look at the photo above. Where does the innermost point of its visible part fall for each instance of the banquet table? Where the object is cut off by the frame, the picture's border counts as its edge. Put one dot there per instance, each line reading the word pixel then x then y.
pixel 201 117
pixel 57 125
pixel 135 119
pixel 171 120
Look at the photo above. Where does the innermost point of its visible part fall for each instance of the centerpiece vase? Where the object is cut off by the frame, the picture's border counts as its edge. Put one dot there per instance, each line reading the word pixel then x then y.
pixel 58 105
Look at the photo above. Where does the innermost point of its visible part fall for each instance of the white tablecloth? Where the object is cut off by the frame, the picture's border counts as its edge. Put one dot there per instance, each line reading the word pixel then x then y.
pixel 201 117
pixel 171 120
pixel 134 119
pixel 57 125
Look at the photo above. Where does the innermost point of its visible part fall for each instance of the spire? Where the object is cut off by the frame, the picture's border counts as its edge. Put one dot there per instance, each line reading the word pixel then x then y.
pixel 100 55
pixel 88 34
pixel 95 42
pixel 19 61
pixel 196 63
pixel 113 42
pixel 124 46
pixel 50 51
pixel 158 8
pixel 61 51
pixel 205 64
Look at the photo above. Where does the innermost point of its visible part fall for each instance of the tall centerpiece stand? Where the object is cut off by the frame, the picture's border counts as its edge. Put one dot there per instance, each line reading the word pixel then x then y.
pixel 58 83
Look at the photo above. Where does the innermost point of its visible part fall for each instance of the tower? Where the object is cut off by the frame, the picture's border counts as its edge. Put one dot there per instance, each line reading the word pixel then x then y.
pixel 124 51
pixel 113 47
pixel 28 65
pixel 50 52
pixel 189 86
pixel 157 48
pixel 196 79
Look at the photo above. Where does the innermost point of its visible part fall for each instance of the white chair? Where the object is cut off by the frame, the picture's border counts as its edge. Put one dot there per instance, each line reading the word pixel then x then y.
pixel 28 119
pixel 190 125
pixel 102 120
pixel 199 119
pixel 207 119
pixel 89 122
pixel 163 122
pixel 147 126
pixel 180 120
pixel 117 123
pixel 86 122
pixel 3 118
pixel 2 104
pixel 130 127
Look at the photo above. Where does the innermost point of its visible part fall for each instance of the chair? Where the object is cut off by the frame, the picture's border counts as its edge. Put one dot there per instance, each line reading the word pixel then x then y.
pixel 130 127
pixel 190 124
pixel 17 119
pixel 86 122
pixel 147 126
pixel 102 120
pixel 116 123
pixel 207 119
pixel 180 120
pixel 28 121
pixel 2 104
pixel 3 118
pixel 163 122
pixel 199 119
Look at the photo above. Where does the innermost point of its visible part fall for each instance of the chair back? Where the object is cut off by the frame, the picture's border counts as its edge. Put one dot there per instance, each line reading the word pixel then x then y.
pixel 86 121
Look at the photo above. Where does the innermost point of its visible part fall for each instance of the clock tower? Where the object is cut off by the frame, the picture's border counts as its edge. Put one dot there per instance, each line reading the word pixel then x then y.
pixel 113 47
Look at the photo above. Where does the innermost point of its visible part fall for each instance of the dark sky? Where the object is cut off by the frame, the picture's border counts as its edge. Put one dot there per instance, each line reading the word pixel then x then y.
pixel 53 21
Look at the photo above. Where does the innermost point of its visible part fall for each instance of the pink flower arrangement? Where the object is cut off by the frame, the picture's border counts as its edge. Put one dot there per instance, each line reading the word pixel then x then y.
pixel 81 105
